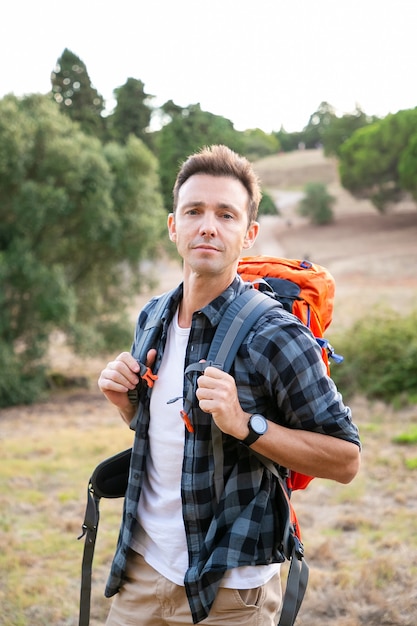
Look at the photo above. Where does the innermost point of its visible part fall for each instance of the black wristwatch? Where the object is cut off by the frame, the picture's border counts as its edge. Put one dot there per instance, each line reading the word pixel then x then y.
pixel 257 426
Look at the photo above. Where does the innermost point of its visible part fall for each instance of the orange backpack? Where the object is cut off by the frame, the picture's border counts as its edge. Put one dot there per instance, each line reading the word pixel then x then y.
pixel 303 288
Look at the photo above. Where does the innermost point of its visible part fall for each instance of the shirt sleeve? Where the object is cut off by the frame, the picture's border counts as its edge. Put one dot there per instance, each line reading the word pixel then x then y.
pixel 289 364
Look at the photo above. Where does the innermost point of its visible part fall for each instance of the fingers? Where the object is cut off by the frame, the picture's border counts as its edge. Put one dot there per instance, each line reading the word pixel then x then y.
pixel 119 375
pixel 217 395
pixel 212 376
pixel 215 388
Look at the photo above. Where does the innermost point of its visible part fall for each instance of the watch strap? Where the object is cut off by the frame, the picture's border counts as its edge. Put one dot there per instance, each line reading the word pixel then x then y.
pixel 251 438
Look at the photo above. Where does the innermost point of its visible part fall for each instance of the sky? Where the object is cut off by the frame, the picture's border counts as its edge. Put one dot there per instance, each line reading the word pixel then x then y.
pixel 260 63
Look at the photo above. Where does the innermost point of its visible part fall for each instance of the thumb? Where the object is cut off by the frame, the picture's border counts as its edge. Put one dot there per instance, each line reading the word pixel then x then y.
pixel 150 357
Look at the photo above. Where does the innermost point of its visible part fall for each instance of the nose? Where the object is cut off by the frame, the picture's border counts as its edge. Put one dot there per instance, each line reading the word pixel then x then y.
pixel 208 225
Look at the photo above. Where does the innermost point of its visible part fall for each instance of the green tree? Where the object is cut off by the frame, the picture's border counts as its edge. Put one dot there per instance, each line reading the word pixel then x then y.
pixel 317 204
pixel 76 220
pixel 132 114
pixel 73 92
pixel 320 120
pixel 407 167
pixel 339 129
pixel 370 160
pixel 189 130
pixel 258 144
pixel 288 141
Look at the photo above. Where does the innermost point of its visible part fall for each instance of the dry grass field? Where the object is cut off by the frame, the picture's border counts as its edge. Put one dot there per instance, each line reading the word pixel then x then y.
pixel 360 539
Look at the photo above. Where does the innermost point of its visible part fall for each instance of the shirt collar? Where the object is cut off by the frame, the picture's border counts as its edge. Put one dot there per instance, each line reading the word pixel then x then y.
pixel 216 308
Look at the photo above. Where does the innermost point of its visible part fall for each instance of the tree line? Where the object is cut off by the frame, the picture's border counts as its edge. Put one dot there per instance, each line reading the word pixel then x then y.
pixel 84 197
pixel 377 156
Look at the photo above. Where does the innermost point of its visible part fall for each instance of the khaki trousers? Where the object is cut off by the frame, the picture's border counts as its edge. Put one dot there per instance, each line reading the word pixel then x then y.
pixel 149 599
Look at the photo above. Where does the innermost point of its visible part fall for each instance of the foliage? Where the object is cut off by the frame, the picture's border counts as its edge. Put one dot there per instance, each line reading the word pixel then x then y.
pixel 258 144
pixel 380 357
pixel 76 97
pixel 339 129
pixel 407 166
pixel 76 220
pixel 132 114
pixel 317 203
pixel 317 125
pixel 326 129
pixel 288 141
pixel 267 205
pixel 370 160
pixel 187 131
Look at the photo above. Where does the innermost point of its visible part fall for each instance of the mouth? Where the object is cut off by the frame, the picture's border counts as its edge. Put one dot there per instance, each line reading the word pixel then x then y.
pixel 206 247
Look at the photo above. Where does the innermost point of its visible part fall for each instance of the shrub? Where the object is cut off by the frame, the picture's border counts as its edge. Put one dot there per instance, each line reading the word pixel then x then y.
pixel 267 205
pixel 317 204
pixel 380 357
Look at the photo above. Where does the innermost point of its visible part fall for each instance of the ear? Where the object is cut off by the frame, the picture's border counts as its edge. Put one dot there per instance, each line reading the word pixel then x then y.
pixel 251 235
pixel 172 232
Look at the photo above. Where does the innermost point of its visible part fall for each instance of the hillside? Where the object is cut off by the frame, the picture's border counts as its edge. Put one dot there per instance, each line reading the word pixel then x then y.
pixel 373 257
pixel 360 539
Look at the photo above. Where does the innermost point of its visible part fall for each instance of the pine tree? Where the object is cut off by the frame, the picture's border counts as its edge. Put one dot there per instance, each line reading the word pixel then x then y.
pixel 73 92
pixel 132 114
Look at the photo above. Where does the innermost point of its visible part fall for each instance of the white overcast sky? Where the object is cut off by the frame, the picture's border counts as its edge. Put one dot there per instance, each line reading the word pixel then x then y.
pixel 260 63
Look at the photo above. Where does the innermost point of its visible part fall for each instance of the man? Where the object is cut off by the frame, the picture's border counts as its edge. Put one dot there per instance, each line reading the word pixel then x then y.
pixel 183 557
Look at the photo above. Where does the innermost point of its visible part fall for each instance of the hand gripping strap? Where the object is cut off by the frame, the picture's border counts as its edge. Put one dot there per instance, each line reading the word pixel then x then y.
pixel 233 327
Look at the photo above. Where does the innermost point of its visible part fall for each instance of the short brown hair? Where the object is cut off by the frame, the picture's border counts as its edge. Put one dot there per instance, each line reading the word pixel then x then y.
pixel 219 160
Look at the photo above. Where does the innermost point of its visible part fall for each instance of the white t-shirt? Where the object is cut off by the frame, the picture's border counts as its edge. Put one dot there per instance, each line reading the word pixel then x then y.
pixel 160 535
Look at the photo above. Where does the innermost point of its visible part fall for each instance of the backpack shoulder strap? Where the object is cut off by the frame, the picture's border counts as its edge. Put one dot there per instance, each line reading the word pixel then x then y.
pixel 235 324
pixel 153 323
pixel 233 327
pixel 145 337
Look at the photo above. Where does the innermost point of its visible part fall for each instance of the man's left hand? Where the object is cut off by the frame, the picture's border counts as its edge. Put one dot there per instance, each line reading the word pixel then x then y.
pixel 217 394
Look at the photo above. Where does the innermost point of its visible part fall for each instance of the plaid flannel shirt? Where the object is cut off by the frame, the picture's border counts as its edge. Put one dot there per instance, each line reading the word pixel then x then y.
pixel 279 373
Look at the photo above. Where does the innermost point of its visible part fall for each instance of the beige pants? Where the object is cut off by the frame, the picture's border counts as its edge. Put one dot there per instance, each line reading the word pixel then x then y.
pixel 149 599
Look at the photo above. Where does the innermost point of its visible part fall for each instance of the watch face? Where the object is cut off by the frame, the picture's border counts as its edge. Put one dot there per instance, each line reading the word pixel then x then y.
pixel 259 424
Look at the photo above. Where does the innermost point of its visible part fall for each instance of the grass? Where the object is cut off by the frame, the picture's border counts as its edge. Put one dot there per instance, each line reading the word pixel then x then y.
pixel 409 437
pixel 358 537
pixel 44 477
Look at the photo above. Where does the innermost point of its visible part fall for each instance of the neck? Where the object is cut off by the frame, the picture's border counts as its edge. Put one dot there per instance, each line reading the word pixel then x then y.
pixel 198 292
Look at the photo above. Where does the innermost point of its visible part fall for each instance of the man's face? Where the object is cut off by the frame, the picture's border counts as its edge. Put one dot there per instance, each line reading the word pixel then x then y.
pixel 210 226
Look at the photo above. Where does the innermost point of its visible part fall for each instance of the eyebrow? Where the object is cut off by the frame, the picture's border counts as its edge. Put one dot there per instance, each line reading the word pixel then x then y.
pixel 201 203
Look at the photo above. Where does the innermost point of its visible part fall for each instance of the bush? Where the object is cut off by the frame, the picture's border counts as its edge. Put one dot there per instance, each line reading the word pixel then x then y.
pixel 317 204
pixel 267 205
pixel 380 357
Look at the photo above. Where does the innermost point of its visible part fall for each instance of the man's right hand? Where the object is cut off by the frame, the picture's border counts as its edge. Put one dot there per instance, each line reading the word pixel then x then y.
pixel 120 376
